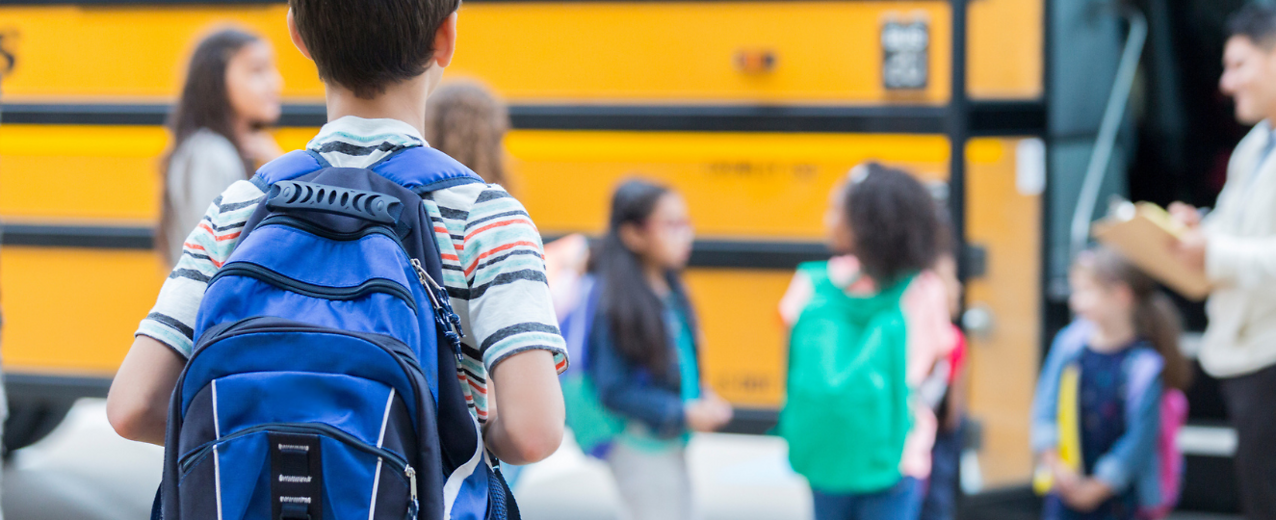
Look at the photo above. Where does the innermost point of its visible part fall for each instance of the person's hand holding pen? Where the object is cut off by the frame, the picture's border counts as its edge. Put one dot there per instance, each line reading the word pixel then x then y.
pixel 1190 248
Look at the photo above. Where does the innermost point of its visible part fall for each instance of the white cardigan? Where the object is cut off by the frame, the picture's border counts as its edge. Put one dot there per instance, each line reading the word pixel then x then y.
pixel 1240 260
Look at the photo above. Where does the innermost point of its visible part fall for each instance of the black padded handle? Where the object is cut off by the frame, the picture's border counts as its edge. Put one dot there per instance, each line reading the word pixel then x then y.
pixel 366 205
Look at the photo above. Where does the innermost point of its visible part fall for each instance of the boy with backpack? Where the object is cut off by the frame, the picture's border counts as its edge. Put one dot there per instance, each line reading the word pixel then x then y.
pixel 330 332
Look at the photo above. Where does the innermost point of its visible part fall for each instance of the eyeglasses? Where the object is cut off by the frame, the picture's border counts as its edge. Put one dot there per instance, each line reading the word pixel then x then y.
pixel 681 227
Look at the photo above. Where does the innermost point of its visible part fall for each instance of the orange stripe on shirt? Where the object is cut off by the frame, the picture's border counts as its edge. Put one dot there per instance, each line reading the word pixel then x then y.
pixel 502 223
pixel 197 247
pixel 490 252
pixel 219 238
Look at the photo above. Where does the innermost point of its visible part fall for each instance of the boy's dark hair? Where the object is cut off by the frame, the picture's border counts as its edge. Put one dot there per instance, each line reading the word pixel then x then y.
pixel 892 218
pixel 1254 21
pixel 367 46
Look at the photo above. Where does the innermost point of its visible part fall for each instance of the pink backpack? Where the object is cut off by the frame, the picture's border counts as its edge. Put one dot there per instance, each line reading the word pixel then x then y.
pixel 1173 416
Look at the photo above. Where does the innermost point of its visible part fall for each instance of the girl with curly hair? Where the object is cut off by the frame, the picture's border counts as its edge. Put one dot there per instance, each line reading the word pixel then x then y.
pixel 867 327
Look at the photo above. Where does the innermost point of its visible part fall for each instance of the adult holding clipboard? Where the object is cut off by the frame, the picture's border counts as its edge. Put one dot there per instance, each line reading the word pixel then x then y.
pixel 1235 246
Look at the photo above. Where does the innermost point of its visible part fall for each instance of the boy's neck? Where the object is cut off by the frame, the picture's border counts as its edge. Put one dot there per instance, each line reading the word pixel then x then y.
pixel 403 101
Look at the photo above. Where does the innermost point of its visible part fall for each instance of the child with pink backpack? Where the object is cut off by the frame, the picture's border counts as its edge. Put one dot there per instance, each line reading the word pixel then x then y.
pixel 1110 401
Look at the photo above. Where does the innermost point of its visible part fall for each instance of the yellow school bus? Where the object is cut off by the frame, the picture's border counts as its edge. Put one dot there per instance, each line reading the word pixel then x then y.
pixel 752 109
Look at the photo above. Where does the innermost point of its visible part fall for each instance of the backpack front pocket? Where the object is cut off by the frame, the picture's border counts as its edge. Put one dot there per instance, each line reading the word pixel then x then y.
pixel 299 471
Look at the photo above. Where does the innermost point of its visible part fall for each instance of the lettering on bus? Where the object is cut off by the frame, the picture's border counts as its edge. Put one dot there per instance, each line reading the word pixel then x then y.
pixel 750 385
pixel 799 171
pixel 7 57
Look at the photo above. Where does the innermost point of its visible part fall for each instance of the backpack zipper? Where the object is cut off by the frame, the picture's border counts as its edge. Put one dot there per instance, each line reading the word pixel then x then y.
pixel 375 285
pixel 326 430
pixel 415 507
pixel 323 232
pixel 308 428
pixel 406 358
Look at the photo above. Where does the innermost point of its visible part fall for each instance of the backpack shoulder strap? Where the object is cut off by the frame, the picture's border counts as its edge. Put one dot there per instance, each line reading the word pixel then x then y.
pixel 288 166
pixel 423 170
pixel 420 169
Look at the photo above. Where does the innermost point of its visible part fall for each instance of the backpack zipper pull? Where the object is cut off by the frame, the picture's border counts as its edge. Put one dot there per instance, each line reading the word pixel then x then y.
pixel 424 278
pixel 415 506
pixel 444 316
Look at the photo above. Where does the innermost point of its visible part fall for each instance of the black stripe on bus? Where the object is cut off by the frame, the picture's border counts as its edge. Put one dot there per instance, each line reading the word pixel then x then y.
pixel 95 237
pixel 986 118
pixel 23 387
pixel 738 254
pixel 753 421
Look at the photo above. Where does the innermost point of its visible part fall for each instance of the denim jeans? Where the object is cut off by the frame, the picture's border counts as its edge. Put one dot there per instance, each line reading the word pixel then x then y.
pixel 940 501
pixel 899 502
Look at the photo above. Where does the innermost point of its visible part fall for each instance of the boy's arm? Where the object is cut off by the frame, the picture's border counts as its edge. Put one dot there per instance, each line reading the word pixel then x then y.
pixel 513 325
pixel 529 424
pixel 137 405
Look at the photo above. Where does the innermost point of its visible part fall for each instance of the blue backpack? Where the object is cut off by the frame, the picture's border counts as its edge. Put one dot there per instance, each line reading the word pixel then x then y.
pixel 322 385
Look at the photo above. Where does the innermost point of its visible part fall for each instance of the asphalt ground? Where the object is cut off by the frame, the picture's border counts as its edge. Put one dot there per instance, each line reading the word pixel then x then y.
pixel 83 470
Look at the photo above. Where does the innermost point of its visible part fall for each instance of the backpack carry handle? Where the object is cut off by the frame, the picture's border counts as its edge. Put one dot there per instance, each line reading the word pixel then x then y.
pixel 308 196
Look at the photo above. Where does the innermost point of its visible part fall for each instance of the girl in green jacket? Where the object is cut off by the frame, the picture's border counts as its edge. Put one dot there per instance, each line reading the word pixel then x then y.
pixel 847 412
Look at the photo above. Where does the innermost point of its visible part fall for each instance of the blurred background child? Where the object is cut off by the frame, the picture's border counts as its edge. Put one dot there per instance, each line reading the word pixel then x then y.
pixel 850 405
pixel 464 120
pixel 1096 416
pixel 644 351
pixel 940 502
pixel 230 97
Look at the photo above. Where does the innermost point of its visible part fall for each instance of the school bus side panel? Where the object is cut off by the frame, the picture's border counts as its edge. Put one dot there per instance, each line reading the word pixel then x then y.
pixel 1004 217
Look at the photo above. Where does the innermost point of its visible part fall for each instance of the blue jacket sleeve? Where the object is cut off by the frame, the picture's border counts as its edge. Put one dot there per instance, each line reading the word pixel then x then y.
pixel 1045 403
pixel 1134 450
pixel 629 390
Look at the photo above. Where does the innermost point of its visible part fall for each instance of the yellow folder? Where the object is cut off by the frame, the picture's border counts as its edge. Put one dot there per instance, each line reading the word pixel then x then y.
pixel 1069 430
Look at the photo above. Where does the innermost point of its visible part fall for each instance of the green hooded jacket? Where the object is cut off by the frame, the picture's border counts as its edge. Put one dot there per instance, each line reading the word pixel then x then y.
pixel 846 414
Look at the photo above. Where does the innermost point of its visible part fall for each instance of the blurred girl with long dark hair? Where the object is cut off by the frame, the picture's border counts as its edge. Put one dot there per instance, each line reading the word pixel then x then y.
pixel 643 349
pixel 230 96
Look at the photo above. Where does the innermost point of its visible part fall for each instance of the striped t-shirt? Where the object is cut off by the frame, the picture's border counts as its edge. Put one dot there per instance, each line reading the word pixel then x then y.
pixel 493 266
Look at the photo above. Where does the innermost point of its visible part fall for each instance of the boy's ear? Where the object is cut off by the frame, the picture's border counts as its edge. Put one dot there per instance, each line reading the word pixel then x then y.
pixel 296 36
pixel 445 42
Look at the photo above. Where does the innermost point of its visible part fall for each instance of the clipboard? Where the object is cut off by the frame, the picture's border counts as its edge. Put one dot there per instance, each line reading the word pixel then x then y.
pixel 1144 234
